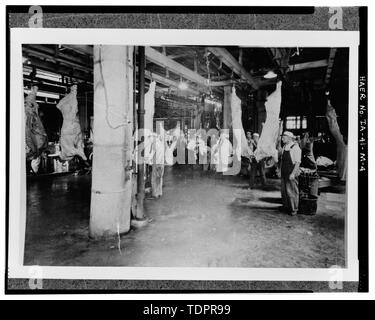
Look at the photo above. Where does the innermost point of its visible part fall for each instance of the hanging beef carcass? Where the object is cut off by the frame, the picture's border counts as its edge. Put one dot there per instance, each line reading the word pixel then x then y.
pixel 71 140
pixel 341 158
pixel 149 118
pixel 269 136
pixel 35 134
pixel 150 106
pixel 240 142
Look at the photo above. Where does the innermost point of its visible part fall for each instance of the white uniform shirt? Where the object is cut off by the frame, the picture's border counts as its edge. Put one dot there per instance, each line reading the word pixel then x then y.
pixel 159 150
pixel 295 152
pixel 169 159
pixel 224 155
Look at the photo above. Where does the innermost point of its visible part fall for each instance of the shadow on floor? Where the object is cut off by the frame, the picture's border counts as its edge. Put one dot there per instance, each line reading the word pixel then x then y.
pixel 271 200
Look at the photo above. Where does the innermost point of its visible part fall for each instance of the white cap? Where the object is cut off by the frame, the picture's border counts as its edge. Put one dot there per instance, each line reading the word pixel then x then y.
pixel 288 134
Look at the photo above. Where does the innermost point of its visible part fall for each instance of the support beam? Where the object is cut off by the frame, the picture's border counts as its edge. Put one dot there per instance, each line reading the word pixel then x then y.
pixel 55 59
pixel 182 55
pixel 45 87
pixel 240 56
pixel 308 65
pixel 164 61
pixel 141 126
pixel 59 51
pixel 167 82
pixel 195 63
pixel 219 78
pixel 83 49
pixel 220 69
pixel 62 70
pixel 232 63
pixel 167 62
pixel 166 70
pixel 331 60
pixel 113 146
pixel 223 83
pixel 58 84
pixel 158 58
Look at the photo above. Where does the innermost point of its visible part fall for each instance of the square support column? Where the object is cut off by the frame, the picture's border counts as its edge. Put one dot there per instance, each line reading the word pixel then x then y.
pixel 113 142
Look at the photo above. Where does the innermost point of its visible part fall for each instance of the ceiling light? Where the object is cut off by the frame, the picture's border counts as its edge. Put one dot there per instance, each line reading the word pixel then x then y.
pixel 270 75
pixel 182 85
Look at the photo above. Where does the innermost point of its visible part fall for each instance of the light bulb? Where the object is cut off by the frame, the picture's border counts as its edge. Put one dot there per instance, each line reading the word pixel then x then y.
pixel 182 85
pixel 270 75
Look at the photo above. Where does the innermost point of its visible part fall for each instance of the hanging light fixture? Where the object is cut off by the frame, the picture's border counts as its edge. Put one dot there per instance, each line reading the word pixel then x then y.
pixel 270 75
pixel 182 85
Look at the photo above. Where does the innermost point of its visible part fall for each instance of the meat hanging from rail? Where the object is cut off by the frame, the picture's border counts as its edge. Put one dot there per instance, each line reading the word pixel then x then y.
pixel 150 106
pixel 240 142
pixel 341 153
pixel 71 140
pixel 148 126
pixel 35 134
pixel 269 136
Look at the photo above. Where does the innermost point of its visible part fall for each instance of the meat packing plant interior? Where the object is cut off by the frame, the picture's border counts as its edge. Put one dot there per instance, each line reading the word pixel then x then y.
pixel 185 156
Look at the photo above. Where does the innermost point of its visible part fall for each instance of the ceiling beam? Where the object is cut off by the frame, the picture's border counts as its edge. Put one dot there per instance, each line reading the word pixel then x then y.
pixel 45 87
pixel 219 68
pixel 308 65
pixel 60 69
pixel 182 55
pixel 234 65
pixel 224 83
pixel 58 52
pixel 158 58
pixel 38 54
pixel 240 56
pixel 42 80
pixel 83 49
pixel 167 82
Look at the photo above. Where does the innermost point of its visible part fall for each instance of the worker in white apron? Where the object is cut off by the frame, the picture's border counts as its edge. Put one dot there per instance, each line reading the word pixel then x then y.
pixel 289 167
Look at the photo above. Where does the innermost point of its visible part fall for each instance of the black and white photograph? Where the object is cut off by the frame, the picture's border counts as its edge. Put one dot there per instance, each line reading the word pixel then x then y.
pixel 276 198
pixel 189 155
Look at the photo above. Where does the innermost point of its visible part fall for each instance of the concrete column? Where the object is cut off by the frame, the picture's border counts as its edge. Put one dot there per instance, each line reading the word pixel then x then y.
pixel 113 143
pixel 227 110
pixel 141 126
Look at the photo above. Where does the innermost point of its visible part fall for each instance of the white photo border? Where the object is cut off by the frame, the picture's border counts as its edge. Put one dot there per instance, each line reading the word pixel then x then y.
pixel 159 37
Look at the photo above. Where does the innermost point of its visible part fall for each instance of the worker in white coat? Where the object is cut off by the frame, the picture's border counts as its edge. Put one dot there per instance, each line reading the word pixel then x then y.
pixel 225 151
pixel 289 167
pixel 158 163
pixel 256 166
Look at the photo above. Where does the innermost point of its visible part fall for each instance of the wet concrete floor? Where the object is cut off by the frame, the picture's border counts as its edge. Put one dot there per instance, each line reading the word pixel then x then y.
pixel 202 220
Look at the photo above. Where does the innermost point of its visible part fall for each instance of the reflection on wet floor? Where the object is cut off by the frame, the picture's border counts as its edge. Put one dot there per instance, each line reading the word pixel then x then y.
pixel 202 220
